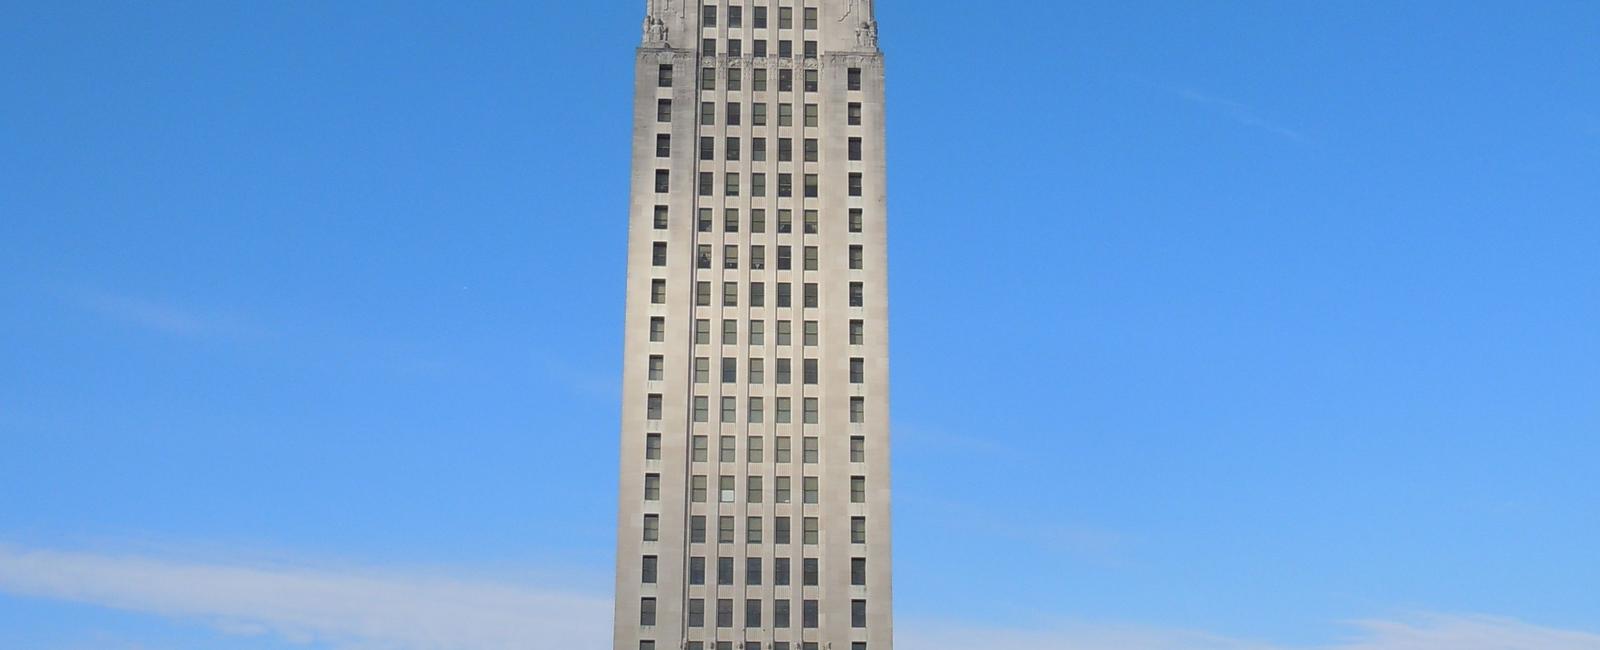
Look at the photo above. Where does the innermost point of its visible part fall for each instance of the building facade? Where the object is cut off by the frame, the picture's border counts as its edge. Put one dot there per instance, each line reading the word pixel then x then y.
pixel 754 501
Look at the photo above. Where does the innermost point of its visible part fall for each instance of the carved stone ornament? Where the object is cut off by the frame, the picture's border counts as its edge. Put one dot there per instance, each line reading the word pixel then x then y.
pixel 655 31
pixel 867 34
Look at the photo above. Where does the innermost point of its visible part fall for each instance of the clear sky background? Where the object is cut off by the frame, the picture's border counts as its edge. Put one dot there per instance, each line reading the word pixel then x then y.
pixel 1221 325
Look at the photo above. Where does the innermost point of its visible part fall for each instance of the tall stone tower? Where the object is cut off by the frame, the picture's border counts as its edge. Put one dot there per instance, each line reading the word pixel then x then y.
pixel 754 503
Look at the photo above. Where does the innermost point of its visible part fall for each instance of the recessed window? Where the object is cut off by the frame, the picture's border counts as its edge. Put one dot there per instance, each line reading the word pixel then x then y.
pixel 858 370
pixel 708 47
pixel 659 220
pixel 664 76
pixel 657 367
pixel 652 487
pixel 663 145
pixel 858 571
pixel 752 492
pixel 735 75
pixel 858 489
pixel 853 79
pixel 782 415
pixel 730 409
pixel 857 298
pixel 757 333
pixel 752 530
pixel 663 181
pixel 698 449
pixel 708 16
pixel 810 450
pixel 810 572
pixel 652 446
pixel 785 75
pixel 858 530
pixel 853 114
pixel 855 219
pixel 703 220
pixel 652 528
pixel 735 50
pixel 663 110
pixel 708 184
pixel 730 331
pixel 733 113
pixel 708 113
pixel 697 612
pixel 785 18
pixel 785 114
pixel 858 332
pixel 858 613
pixel 783 371
pixel 658 254
pixel 811 49
pixel 708 148
pixel 702 331
pixel 781 494
pixel 809 531
pixel 812 189
pixel 858 410
pixel 697 529
pixel 702 294
pixel 735 17
pixel 811 78
pixel 856 255
pixel 697 570
pixel 759 18
pixel 855 148
pixel 697 489
pixel 780 566
pixel 812 150
pixel 809 410
pixel 752 615
pixel 702 370
pixel 658 329
pixel 757 411
pixel 808 614
pixel 810 334
pixel 812 115
pixel 812 297
pixel 858 449
pixel 652 407
pixel 756 373
pixel 724 530
pixel 810 492
pixel 811 17
pixel 758 77
pixel 708 78
pixel 731 152
pixel 753 449
pixel 701 409
pixel 855 184
pixel 810 371
pixel 758 290
pixel 647 611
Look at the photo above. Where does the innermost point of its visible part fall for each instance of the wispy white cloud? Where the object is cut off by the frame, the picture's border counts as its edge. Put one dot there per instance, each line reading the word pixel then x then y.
pixel 340 608
pixel 367 610
pixel 1428 632
pixel 157 316
pixel 1238 112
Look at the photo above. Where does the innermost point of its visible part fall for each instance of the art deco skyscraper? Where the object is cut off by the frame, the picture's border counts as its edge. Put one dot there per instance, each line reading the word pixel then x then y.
pixel 754 503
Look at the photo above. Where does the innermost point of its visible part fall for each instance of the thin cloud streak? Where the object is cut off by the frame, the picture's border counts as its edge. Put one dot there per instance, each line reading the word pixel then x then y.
pixel 1239 112
pixel 344 609
pixel 365 610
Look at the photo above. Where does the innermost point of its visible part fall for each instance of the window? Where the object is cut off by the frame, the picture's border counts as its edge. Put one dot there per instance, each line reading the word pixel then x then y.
pixel 663 110
pixel 785 114
pixel 757 331
pixel 780 493
pixel 811 295
pixel 785 18
pixel 811 222
pixel 724 530
pixel 726 452
pixel 702 293
pixel 785 181
pixel 758 114
pixel 811 76
pixel 760 51
pixel 757 372
pixel 760 17
pixel 858 530
pixel 730 294
pixel 708 78
pixel 752 571
pixel 658 254
pixel 855 184
pixel 782 416
pixel 855 257
pixel 853 114
pixel 697 612
pixel 810 450
pixel 780 570
pixel 784 294
pixel 783 332
pixel 733 114
pixel 858 370
pixel 697 570
pixel 858 408
pixel 660 221
pixel 730 408
pixel 811 17
pixel 858 613
pixel 858 449
pixel 758 77
pixel 647 572
pixel 758 257
pixel 647 645
pixel 707 183
pixel 731 152
pixel 809 371
pixel 697 488
pixel 703 222
pixel 855 219
pixel 697 529
pixel 735 17
pixel 663 145
pixel 708 113
pixel 702 370
pixel 756 414
pixel 780 534
pixel 701 408
pixel 702 331
pixel 811 152
pixel 808 614
pixel 856 298
pixel 784 258
pixel 812 189
pixel 724 570
pixel 708 16
pixel 731 184
pixel 785 48
pixel 652 407
pixel 703 257
pixel 752 530
pixel 811 49
pixel 853 79
pixel 752 447
pixel 698 449
pixel 811 115
pixel 858 571
pixel 758 221
pixel 783 457
pixel 752 614
pixel 664 76
pixel 810 253
pixel 708 46
pixel 730 365
pixel 810 572
pixel 730 331
pixel 652 487
pixel 663 180
pixel 647 611
pixel 652 446
pixel 652 528
pixel 785 154
pixel 855 148
pixel 785 221
pixel 735 75
pixel 809 337
pixel 858 489
pixel 752 490
pixel 758 153
pixel 783 369
pixel 708 148
pixel 810 492
pixel 809 531
pixel 857 331
pixel 780 612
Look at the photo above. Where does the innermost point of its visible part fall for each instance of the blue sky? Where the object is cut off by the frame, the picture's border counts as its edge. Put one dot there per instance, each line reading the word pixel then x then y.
pixel 1288 311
